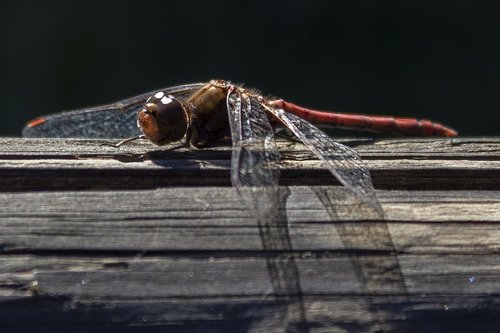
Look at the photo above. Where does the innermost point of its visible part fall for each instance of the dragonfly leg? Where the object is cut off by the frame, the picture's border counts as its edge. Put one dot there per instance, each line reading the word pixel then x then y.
pixel 117 145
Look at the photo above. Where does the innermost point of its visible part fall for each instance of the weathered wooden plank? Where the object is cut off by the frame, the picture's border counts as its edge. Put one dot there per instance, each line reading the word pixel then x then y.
pixel 183 291
pixel 177 276
pixel 430 164
pixel 97 252
pixel 468 148
pixel 214 219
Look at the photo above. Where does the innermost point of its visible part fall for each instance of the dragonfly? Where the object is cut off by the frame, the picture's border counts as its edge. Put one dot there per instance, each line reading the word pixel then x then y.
pixel 202 113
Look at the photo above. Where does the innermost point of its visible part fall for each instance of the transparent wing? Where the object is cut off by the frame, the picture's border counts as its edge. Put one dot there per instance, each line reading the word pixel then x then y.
pixel 116 120
pixel 255 155
pixel 255 173
pixel 343 162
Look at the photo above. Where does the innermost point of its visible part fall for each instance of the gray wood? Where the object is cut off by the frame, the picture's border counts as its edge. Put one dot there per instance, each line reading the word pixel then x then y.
pixel 427 164
pixel 143 238
pixel 204 218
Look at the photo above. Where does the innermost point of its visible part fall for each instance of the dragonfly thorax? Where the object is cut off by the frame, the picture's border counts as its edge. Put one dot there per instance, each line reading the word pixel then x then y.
pixel 163 119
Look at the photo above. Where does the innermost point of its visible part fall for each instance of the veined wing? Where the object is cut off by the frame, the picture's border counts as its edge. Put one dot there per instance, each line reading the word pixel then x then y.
pixel 254 168
pixel 343 162
pixel 255 173
pixel 255 154
pixel 115 120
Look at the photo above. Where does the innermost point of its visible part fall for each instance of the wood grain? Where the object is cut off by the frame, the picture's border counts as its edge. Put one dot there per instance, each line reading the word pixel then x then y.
pixel 144 239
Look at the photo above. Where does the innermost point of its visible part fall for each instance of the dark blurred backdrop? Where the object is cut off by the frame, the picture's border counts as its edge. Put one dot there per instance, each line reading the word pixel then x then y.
pixel 429 59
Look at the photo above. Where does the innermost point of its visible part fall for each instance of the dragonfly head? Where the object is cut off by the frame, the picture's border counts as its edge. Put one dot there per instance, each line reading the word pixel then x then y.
pixel 163 119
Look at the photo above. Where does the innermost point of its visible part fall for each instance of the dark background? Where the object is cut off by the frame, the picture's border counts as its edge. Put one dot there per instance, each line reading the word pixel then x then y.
pixel 428 59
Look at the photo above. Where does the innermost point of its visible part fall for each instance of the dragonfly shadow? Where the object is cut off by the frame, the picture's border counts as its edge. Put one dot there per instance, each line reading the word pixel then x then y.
pixel 269 207
pixel 369 244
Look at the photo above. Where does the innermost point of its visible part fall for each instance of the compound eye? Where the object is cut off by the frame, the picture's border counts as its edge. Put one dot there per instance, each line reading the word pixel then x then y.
pixel 163 119
pixel 170 111
pixel 171 117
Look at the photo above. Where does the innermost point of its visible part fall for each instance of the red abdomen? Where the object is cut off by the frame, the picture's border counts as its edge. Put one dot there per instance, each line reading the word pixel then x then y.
pixel 397 125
